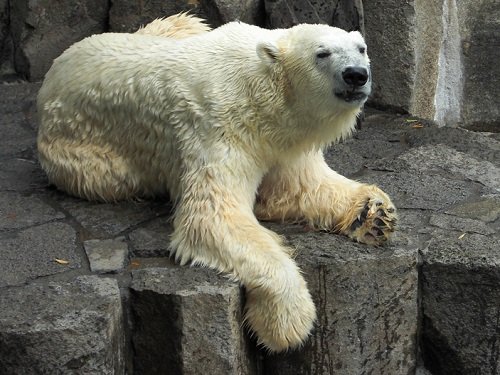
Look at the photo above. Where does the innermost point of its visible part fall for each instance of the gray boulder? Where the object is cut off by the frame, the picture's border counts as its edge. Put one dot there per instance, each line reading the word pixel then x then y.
pixel 42 30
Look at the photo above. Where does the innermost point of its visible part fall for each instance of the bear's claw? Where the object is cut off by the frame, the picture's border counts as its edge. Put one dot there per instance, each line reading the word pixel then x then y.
pixel 375 222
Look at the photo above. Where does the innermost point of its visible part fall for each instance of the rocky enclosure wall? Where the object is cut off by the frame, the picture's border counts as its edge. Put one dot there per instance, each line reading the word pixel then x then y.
pixel 437 59
pixel 434 59
pixel 33 33
pixel 116 304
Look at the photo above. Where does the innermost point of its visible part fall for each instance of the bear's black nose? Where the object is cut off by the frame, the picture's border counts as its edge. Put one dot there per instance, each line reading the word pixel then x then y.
pixel 355 76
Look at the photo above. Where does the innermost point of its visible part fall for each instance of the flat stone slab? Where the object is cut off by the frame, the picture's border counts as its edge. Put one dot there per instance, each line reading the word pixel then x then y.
pixel 43 250
pixel 152 239
pixel 19 211
pixel 485 208
pixel 62 328
pixel 428 159
pixel 105 220
pixel 482 146
pixel 21 175
pixel 106 255
pixel 464 225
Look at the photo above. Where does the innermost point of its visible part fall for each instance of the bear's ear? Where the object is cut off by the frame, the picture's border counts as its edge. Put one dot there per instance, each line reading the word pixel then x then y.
pixel 268 52
pixel 357 34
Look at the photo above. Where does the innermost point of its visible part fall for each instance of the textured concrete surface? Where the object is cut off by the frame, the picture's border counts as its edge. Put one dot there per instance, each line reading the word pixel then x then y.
pixel 432 293
pixel 461 303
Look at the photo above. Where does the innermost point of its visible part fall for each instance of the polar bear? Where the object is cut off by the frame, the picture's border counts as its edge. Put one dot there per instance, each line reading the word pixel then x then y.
pixel 231 124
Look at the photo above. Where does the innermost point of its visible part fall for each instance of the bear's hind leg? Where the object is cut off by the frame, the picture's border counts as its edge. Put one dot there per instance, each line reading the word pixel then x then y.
pixel 88 171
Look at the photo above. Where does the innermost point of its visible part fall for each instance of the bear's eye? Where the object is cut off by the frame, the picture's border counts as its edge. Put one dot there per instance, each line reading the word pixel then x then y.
pixel 323 54
pixel 362 50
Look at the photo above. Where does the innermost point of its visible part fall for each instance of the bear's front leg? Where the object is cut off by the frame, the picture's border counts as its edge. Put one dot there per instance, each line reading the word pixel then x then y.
pixel 214 226
pixel 306 189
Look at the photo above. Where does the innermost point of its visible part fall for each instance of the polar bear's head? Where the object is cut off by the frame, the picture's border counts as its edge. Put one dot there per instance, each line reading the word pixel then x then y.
pixel 325 66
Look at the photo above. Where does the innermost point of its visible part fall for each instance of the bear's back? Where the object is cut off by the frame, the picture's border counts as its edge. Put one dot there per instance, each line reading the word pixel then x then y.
pixel 106 60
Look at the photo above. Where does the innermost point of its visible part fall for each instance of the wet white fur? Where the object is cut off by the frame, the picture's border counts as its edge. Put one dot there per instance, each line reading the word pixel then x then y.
pixel 212 119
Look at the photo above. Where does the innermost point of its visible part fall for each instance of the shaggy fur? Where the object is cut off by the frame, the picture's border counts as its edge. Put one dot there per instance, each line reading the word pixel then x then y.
pixel 179 26
pixel 215 120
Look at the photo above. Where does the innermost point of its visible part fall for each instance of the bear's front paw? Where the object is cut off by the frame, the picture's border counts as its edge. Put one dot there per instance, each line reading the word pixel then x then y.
pixel 372 219
pixel 283 320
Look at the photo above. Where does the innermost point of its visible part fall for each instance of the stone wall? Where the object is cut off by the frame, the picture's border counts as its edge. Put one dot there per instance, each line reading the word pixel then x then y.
pixel 437 59
pixel 33 33
pixel 433 59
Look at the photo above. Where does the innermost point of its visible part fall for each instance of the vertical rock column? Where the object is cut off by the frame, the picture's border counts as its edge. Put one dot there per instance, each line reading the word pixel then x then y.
pixel 403 40
pixel 366 299
pixel 188 321
pixel 479 26
pixel 436 59
pixel 461 304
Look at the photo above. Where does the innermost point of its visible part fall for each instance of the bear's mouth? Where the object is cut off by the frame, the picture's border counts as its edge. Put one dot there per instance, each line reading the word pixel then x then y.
pixel 351 96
